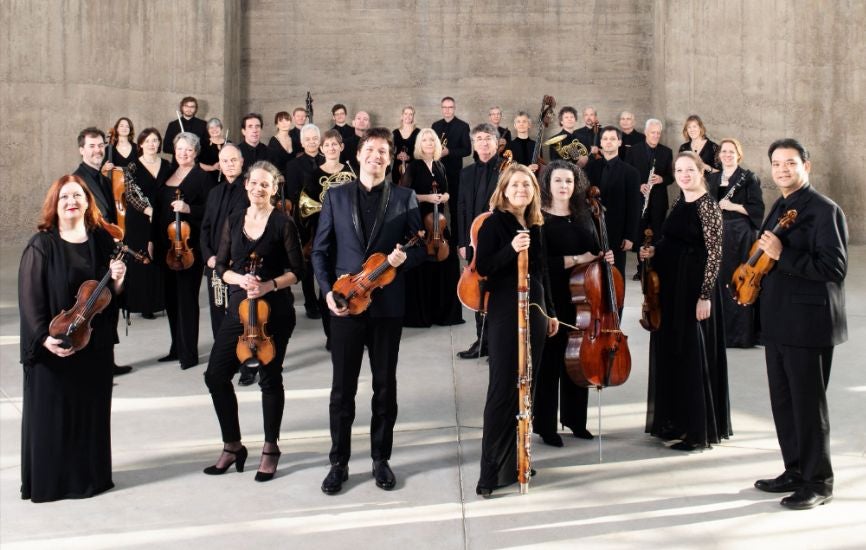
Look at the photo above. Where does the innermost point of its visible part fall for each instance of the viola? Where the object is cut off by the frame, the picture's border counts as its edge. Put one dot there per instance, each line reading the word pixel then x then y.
pixel 255 346
pixel 72 326
pixel 745 283
pixel 118 189
pixel 179 255
pixel 651 312
pixel 470 287
pixel 598 356
pixel 434 227
pixel 547 104
pixel 354 291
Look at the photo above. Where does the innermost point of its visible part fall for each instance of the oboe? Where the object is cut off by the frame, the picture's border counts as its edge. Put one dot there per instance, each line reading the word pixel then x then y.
pixel 734 188
pixel 649 182
pixel 524 374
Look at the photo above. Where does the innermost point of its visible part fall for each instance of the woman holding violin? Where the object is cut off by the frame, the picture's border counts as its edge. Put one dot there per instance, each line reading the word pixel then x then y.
pixel 738 191
pixel 688 372
pixel 178 214
pixel 570 240
pixel 405 140
pixel 430 288
pixel 268 233
pixel 66 412
pixel 514 225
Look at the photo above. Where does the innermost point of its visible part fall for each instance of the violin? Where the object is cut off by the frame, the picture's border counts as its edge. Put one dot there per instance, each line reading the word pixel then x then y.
pixel 746 281
pixel 434 227
pixel 179 255
pixel 598 356
pixel 547 105
pixel 651 313
pixel 255 346
pixel 470 287
pixel 353 291
pixel 72 327
pixel 402 168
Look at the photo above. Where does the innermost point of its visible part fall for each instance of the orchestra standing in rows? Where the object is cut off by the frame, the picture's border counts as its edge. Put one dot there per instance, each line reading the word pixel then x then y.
pixel 380 220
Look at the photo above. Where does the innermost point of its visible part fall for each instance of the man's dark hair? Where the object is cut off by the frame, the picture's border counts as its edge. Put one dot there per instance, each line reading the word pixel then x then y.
pixel 611 129
pixel 91 131
pixel 377 133
pixel 189 99
pixel 447 98
pixel 788 143
pixel 337 107
pixel 250 116
pixel 566 109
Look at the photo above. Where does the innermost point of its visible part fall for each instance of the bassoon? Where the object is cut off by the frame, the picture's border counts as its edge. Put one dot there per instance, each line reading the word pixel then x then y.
pixel 524 375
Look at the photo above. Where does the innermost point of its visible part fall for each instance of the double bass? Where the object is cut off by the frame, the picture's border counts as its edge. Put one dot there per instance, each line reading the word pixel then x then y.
pixel 598 356
pixel 548 103
pixel 179 255
pixel 255 347
pixel 746 280
pixel 434 229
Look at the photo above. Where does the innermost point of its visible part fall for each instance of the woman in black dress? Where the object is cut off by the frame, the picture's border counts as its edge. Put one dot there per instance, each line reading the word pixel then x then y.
pixel 181 287
pixel 739 194
pixel 405 138
pixel 273 237
pixel 570 240
pixel 66 411
pixel 431 296
pixel 688 373
pixel 121 151
pixel 695 134
pixel 144 292
pixel 280 150
pixel 209 158
pixel 516 207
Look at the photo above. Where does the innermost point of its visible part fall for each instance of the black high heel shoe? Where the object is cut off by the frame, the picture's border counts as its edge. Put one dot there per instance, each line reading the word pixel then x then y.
pixel 267 476
pixel 483 492
pixel 239 461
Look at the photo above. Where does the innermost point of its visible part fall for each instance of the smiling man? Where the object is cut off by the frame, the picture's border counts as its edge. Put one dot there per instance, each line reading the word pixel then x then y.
pixel 252 148
pixel 358 219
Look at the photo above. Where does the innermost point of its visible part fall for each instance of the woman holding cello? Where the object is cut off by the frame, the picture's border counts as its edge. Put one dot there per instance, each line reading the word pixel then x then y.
pixel 272 236
pixel 66 412
pixel 570 240
pixel 514 225
pixel 430 296
pixel 688 373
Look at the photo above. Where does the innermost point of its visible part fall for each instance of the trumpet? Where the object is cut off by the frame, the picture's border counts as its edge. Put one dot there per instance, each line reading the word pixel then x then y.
pixel 220 290
pixel 572 151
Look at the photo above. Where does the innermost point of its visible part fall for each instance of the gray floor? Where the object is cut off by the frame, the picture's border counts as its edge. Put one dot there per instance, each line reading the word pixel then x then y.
pixel 640 495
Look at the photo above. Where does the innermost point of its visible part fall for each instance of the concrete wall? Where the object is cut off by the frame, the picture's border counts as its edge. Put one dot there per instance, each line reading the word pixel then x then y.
pixel 65 65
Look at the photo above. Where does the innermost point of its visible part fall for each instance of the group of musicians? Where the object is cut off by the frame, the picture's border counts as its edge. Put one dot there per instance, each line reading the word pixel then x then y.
pixel 312 208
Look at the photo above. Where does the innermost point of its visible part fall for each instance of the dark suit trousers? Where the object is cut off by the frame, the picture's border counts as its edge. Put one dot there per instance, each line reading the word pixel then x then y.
pixel 798 380
pixel 349 336
pixel 181 306
pixel 223 365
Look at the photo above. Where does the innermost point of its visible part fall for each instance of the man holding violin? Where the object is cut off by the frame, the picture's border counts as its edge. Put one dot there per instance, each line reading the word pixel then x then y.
pixel 802 318
pixel 358 219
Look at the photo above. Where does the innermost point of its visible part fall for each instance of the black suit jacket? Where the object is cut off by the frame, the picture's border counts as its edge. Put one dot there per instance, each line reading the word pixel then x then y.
pixel 339 247
pixel 620 195
pixel 459 146
pixel 639 156
pixel 474 195
pixel 101 189
pixel 802 298
pixel 222 201
pixel 194 125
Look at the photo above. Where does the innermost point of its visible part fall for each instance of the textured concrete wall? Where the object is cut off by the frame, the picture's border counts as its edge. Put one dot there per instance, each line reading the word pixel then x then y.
pixel 379 55
pixel 759 71
pixel 65 65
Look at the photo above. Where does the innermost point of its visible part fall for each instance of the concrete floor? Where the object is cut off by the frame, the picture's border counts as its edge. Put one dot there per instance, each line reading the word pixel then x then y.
pixel 641 495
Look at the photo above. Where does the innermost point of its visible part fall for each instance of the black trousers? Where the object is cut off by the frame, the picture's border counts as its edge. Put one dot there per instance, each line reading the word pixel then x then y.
pixel 349 336
pixel 217 313
pixel 223 365
pixel 798 380
pixel 311 299
pixel 481 329
pixel 550 376
pixel 181 306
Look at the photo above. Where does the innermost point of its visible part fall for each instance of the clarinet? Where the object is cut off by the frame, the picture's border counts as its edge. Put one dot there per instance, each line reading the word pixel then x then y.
pixel 734 187
pixel 524 374
pixel 649 180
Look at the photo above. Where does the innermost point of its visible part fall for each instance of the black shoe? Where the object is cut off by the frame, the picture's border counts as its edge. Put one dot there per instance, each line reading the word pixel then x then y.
pixel 636 277
pixel 581 433
pixel 333 482
pixel 267 476
pixel 184 366
pixel 168 358
pixel 118 370
pixel 148 316
pixel 384 476
pixel 239 461
pixel 785 483
pixel 248 376
pixel 482 491
pixel 472 352
pixel 805 499
pixel 313 312
pixel 554 440
pixel 686 446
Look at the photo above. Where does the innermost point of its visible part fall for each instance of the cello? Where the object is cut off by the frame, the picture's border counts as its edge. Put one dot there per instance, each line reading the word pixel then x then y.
pixel 746 281
pixel 470 287
pixel 255 347
pixel 434 227
pixel 179 255
pixel 602 356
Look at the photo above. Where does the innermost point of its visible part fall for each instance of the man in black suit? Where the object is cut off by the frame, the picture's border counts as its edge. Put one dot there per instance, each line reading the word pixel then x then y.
pixel 252 148
pixel 479 181
pixel 630 136
pixel 188 109
pixel 358 219
pixel 91 146
pixel 802 318
pixel 299 118
pixel 587 134
pixel 619 184
pixel 454 134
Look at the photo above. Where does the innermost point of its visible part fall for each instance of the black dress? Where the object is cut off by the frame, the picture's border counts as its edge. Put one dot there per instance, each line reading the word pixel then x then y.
pixel 708 153
pixel 563 236
pixel 143 287
pixel 521 150
pixel 403 145
pixel 688 372
pixel 740 232
pixel 66 410
pixel 277 155
pixel 431 288
pixel 121 161
pixel 280 251
pixel 210 155
pixel 497 260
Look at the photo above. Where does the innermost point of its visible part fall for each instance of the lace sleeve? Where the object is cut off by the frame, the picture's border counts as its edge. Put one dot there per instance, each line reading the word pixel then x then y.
pixel 711 223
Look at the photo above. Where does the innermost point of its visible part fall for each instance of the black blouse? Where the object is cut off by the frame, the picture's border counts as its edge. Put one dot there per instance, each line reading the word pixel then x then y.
pixel 193 189
pixel 566 236
pixel 408 144
pixel 420 179
pixel 708 153
pixel 747 193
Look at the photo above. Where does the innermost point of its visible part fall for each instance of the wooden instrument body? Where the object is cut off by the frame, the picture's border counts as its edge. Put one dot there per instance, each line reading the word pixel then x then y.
pixel 548 103
pixel 255 346
pixel 118 189
pixel 470 287
pixel 434 230
pixel 651 312
pixel 524 375
pixel 745 283
pixel 73 325
pixel 179 255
